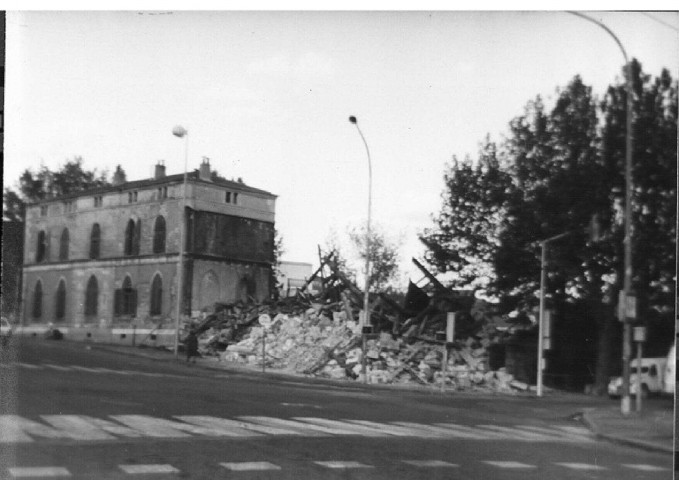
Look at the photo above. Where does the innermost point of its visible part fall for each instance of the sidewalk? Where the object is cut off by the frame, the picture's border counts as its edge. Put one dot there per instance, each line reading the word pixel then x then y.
pixel 652 429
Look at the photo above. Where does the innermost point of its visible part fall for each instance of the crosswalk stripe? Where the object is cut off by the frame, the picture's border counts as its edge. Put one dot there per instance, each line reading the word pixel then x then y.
pixel 509 464
pixel 464 431
pixel 645 467
pixel 557 433
pixel 517 434
pixel 581 466
pixel 218 427
pixel 243 428
pixel 77 427
pixel 151 468
pixel 84 369
pixel 440 432
pixel 306 429
pixel 24 472
pixel 344 426
pixel 430 463
pixel 343 464
pixel 398 431
pixel 246 466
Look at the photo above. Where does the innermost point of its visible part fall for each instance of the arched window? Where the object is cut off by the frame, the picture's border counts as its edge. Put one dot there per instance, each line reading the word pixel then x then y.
pixel 60 301
pixel 92 297
pixel 37 300
pixel 63 245
pixel 137 238
pixel 125 301
pixel 159 235
pixel 129 237
pixel 95 241
pixel 41 247
pixel 156 295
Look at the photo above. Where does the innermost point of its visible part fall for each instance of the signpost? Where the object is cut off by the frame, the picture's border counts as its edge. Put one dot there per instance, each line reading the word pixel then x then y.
pixel 447 337
pixel 639 336
pixel 265 322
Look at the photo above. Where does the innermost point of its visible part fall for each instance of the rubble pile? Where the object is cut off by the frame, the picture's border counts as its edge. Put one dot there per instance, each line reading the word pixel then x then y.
pixel 320 335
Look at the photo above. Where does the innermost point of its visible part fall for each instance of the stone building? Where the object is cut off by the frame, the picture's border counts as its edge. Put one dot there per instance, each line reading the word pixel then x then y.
pixel 110 256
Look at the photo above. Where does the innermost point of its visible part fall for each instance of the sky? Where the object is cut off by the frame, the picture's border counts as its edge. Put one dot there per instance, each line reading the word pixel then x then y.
pixel 266 96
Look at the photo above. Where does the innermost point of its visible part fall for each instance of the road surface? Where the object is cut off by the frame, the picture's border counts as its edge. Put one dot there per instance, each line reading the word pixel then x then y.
pixel 72 411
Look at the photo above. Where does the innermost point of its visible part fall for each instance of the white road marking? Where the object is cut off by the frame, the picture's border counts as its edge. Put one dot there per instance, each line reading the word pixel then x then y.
pixel 581 466
pixel 644 467
pixel 558 433
pixel 430 431
pixel 430 463
pixel 235 426
pixel 56 367
pixel 343 464
pixel 23 472
pixel 517 434
pixel 144 469
pixel 218 426
pixel 344 426
pixel 246 466
pixel 29 366
pixel 85 369
pixel 511 465
pixel 395 430
pixel 305 429
pixel 77 427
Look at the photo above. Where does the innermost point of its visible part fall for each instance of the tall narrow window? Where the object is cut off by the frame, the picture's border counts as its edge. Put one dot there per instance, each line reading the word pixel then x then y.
pixel 37 300
pixel 60 301
pixel 92 297
pixel 136 238
pixel 129 237
pixel 41 247
pixel 125 301
pixel 159 235
pixel 95 241
pixel 64 244
pixel 156 296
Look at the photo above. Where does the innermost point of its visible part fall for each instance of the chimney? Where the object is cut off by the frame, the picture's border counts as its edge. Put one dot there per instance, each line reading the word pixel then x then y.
pixel 160 170
pixel 204 173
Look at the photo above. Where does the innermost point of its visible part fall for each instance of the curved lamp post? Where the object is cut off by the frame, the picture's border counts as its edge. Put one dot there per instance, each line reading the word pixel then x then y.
pixel 181 132
pixel 366 299
pixel 627 285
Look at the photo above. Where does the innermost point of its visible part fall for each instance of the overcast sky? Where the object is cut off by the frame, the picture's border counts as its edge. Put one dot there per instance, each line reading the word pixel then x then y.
pixel 267 95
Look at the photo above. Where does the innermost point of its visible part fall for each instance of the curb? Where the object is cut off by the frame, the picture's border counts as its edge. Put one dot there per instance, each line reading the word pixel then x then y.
pixel 643 444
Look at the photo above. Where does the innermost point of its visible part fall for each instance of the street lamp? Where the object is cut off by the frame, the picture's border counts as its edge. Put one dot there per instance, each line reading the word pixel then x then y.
pixel 366 300
pixel 627 284
pixel 181 132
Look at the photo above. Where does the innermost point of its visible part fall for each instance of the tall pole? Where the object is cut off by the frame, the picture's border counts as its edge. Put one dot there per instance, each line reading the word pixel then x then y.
pixel 181 132
pixel 541 315
pixel 627 282
pixel 366 299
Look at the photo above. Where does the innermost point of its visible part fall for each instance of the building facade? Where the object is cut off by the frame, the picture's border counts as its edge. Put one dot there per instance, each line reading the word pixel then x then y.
pixel 110 256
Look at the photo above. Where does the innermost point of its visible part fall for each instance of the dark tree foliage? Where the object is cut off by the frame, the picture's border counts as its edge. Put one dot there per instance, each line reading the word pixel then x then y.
pixel 562 171
pixel 45 183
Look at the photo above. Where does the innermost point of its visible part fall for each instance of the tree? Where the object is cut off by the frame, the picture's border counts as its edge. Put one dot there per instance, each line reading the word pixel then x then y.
pixel 383 255
pixel 465 235
pixel 45 183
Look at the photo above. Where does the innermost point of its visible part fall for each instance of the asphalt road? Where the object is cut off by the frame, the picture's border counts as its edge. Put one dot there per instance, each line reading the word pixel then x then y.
pixel 72 411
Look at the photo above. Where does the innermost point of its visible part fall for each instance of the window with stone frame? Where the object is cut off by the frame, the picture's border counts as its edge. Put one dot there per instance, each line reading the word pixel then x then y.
pixel 125 299
pixel 156 296
pixel 159 234
pixel 92 297
pixel 37 300
pixel 60 301
pixel 41 247
pixel 64 244
pixel 95 241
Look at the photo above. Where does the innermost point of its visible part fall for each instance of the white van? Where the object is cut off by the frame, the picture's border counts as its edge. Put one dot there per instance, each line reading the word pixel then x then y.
pixel 652 377
pixel 670 371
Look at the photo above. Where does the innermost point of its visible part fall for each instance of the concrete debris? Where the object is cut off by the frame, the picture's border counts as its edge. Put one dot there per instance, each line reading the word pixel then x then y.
pixel 321 336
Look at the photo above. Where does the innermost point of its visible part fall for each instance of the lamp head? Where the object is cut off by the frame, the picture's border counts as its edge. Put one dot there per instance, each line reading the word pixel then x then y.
pixel 353 120
pixel 179 131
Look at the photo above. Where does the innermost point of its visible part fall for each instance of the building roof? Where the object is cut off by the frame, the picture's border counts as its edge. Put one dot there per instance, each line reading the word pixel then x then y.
pixel 149 182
